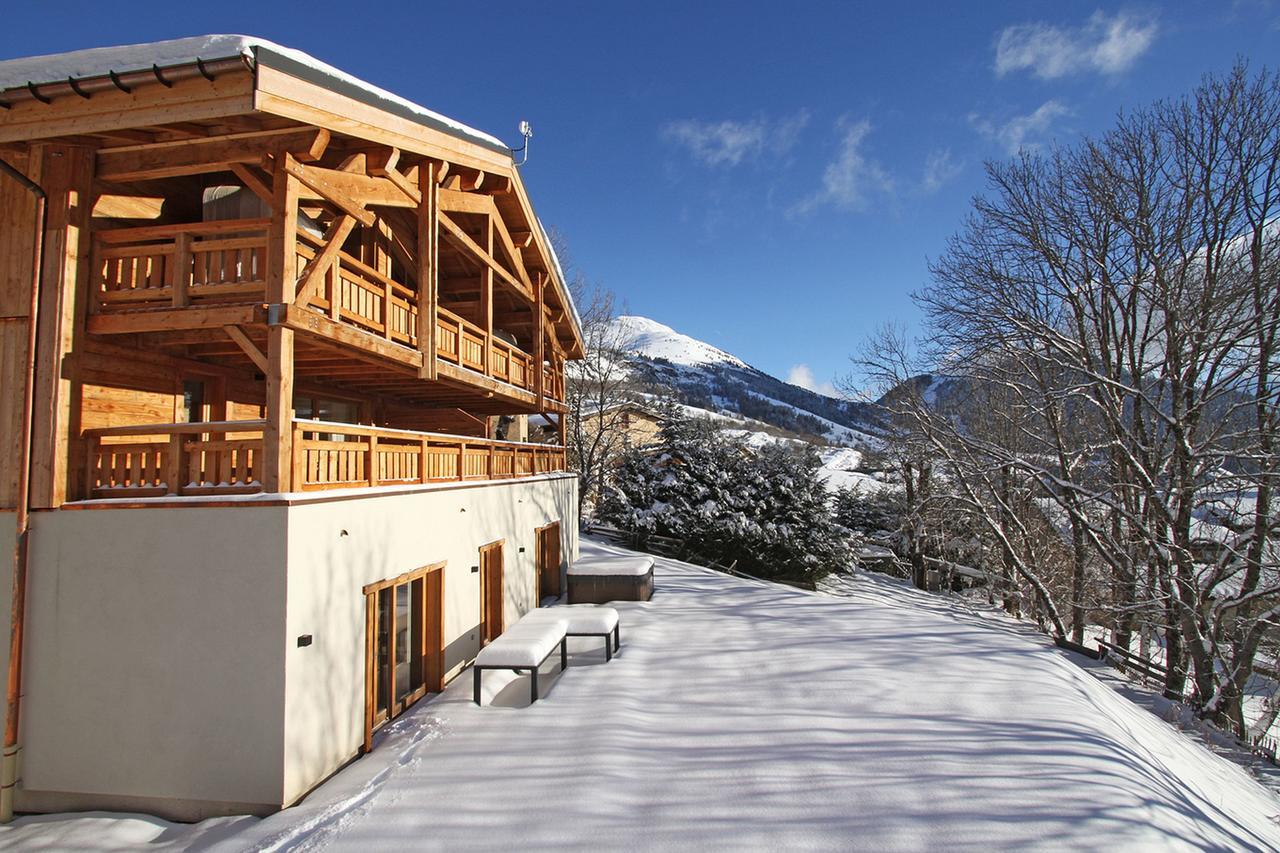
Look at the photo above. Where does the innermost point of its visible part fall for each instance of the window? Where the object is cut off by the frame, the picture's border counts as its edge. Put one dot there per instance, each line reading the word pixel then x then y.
pixel 404 644
pixel 193 401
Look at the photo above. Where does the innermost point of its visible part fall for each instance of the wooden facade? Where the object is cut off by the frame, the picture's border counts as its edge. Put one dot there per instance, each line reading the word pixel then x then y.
pixel 257 278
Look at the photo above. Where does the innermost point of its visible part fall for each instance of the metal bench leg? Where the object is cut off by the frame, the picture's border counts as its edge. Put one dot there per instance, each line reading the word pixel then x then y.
pixel 564 653
pixel 608 648
pixel 533 690
pixel 476 692
pixel 617 636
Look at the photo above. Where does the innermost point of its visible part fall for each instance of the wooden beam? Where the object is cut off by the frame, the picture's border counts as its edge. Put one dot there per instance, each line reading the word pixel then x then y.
pixel 213 154
pixel 459 237
pixel 175 319
pixel 402 183
pixel 486 299
pixel 539 354
pixel 331 186
pixel 310 322
pixel 313 276
pixel 250 349
pixel 249 177
pixel 381 159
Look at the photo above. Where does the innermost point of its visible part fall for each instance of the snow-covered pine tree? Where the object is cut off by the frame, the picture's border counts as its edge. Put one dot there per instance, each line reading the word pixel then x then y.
pixel 767 509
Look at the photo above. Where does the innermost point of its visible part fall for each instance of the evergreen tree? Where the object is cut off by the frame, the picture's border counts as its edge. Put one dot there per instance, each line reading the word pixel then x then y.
pixel 767 508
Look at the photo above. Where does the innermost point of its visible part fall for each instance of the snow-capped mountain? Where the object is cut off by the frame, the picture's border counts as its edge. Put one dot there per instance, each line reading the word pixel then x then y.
pixel 701 375
pixel 653 340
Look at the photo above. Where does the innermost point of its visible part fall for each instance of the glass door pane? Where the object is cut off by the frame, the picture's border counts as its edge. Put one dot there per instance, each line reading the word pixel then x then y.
pixel 404 621
pixel 383 664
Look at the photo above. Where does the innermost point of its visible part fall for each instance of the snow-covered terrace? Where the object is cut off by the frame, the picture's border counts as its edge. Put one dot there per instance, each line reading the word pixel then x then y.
pixel 742 715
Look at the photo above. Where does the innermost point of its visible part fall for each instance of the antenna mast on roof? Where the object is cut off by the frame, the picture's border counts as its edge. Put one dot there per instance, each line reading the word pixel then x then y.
pixel 527 132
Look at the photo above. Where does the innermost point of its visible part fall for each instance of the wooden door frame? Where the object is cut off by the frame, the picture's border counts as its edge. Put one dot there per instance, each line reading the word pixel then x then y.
pixel 431 650
pixel 499 546
pixel 539 534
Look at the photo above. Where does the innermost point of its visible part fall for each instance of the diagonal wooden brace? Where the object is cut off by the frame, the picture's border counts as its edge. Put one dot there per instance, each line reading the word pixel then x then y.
pixel 312 278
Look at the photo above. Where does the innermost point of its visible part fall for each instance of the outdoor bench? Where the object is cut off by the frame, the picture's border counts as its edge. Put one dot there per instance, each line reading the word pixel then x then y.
pixel 584 621
pixel 525 645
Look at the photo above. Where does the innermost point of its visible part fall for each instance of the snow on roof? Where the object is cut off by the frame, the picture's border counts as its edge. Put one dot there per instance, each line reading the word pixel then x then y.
pixel 98 61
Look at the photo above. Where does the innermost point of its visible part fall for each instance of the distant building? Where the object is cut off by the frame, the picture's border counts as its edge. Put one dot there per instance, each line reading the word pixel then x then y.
pixel 637 425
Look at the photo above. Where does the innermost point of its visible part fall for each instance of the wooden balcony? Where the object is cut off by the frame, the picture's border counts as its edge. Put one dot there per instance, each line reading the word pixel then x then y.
pixel 157 276
pixel 223 458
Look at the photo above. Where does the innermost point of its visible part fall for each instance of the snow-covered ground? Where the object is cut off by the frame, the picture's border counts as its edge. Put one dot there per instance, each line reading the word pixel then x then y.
pixel 747 715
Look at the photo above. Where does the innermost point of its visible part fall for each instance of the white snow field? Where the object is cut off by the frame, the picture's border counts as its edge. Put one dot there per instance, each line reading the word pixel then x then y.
pixel 743 715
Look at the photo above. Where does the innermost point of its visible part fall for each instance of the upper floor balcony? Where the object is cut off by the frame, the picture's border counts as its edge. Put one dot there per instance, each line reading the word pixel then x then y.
pixel 168 279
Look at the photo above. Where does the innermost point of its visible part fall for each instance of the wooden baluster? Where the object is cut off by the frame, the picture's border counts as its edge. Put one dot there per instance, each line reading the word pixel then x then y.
pixel 386 308
pixel 373 472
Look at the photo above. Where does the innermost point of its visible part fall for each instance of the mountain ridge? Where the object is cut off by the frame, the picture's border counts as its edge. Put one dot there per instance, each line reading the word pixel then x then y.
pixel 704 376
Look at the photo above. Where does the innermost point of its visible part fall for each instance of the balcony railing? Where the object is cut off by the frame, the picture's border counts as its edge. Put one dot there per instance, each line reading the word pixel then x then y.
pixel 207 263
pixel 343 456
pixel 222 458
pixel 179 265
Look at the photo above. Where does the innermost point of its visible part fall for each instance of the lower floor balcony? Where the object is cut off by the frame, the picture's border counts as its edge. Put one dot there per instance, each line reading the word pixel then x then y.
pixel 225 458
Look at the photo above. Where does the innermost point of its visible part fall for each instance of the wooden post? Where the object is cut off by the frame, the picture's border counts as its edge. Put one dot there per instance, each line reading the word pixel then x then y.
pixel 66 172
pixel 423 475
pixel 282 281
pixel 428 288
pixel 334 285
pixel 462 460
pixel 173 465
pixel 486 299
pixel 539 353
pixel 299 452
pixel 371 469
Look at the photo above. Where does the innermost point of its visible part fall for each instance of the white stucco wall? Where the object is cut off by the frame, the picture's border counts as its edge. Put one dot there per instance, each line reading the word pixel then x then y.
pixel 337 547
pixel 155 654
pixel 163 668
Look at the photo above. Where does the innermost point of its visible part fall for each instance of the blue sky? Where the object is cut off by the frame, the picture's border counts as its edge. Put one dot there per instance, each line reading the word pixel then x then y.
pixel 771 178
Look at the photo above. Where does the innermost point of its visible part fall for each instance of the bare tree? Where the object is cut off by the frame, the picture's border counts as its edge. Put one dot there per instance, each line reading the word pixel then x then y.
pixel 1119 302
pixel 597 386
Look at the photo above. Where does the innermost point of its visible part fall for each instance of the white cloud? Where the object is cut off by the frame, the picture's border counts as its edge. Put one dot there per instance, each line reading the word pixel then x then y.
pixel 939 169
pixel 802 376
pixel 1103 44
pixel 1022 131
pixel 729 143
pixel 851 179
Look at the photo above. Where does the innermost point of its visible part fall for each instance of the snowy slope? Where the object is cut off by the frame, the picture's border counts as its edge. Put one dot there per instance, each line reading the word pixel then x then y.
pixel 741 715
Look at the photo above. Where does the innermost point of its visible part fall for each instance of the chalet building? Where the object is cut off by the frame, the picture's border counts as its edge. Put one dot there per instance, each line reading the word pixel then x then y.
pixel 247 463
